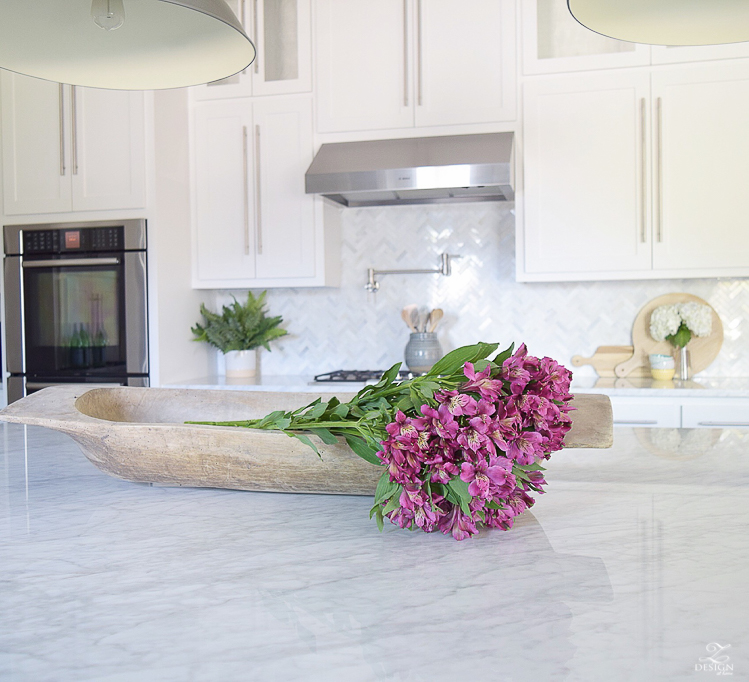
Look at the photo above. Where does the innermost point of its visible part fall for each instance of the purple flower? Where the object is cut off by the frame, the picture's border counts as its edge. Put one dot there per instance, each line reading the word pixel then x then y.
pixel 481 382
pixel 458 404
pixel 483 480
pixel 526 447
pixel 457 523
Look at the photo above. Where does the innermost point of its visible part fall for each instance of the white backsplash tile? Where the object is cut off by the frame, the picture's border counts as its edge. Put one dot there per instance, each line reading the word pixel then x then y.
pixel 348 327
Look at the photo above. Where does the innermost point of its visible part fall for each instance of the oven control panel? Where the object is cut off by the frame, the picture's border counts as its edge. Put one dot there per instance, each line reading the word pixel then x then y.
pixel 89 239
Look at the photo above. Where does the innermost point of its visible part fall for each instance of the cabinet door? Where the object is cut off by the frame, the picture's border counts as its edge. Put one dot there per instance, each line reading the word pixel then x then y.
pixel 553 41
pixel 364 65
pixel 224 242
pixel 661 413
pixel 283 36
pixel 238 84
pixel 465 61
pixel 586 176
pixel 109 149
pixel 36 150
pixel 284 214
pixel 702 168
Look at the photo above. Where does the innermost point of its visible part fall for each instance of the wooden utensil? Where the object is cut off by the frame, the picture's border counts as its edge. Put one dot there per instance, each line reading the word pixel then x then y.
pixel 408 317
pixel 605 359
pixel 434 319
pixel 703 350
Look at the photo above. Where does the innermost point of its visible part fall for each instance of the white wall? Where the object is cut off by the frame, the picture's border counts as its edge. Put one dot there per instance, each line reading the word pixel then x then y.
pixel 349 328
pixel 179 358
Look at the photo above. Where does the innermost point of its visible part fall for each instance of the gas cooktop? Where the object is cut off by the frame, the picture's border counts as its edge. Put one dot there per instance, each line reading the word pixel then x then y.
pixel 359 375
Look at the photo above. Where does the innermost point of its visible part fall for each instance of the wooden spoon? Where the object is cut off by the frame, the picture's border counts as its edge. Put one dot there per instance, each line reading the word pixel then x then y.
pixel 407 316
pixel 434 319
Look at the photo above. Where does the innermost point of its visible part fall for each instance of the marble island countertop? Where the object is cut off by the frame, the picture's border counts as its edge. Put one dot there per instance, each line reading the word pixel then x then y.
pixel 631 564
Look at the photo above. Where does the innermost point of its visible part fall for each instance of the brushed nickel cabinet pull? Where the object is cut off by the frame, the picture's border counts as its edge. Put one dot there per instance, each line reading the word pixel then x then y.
pixel 258 193
pixel 62 129
pixel 405 53
pixel 245 174
pixel 643 172
pixel 419 50
pixel 659 167
pixel 255 31
pixel 74 127
pixel 724 424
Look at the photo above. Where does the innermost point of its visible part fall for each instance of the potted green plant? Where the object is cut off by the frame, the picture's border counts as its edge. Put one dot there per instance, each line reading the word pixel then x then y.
pixel 238 331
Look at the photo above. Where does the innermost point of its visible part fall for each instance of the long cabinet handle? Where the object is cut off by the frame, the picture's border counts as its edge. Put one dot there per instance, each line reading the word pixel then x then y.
pixel 635 422
pixel 74 127
pixel 245 174
pixel 418 51
pixel 69 262
pixel 243 19
pixel 659 168
pixel 258 193
pixel 739 424
pixel 255 32
pixel 62 128
pixel 643 172
pixel 406 79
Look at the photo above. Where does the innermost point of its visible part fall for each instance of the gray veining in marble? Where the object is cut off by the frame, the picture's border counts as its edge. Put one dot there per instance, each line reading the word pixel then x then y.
pixel 631 564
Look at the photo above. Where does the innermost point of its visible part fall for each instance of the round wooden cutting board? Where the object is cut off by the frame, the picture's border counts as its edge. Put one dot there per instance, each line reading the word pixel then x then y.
pixel 703 350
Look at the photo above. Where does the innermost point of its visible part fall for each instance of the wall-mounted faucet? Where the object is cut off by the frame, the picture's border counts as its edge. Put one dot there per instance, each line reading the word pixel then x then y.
pixel 444 269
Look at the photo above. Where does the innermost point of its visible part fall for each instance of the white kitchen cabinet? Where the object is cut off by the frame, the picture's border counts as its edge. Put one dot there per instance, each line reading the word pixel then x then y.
pixel 70 148
pixel 663 413
pixel 281 31
pixel 700 142
pixel 680 412
pixel 661 54
pixel 553 42
pixel 384 64
pixel 254 226
pixel 633 176
pixel 585 175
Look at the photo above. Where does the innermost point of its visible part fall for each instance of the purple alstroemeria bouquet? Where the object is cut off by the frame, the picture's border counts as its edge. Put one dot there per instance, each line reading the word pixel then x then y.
pixel 461 446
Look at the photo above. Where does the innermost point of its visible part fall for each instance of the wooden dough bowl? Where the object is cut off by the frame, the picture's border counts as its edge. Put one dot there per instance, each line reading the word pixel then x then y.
pixel 138 434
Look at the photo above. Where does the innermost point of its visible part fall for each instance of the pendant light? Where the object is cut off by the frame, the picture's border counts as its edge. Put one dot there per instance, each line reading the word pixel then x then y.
pixel 123 44
pixel 666 22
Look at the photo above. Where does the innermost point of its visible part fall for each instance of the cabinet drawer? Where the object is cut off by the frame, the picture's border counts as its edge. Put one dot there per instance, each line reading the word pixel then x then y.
pixel 656 413
pixel 715 414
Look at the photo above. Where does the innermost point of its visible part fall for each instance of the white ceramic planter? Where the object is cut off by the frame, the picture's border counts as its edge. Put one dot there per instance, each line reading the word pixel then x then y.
pixel 241 363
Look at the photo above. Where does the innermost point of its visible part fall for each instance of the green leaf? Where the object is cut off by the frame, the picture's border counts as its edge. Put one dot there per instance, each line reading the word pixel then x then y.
pixel 458 493
pixel 362 449
pixel 385 488
pixel 341 411
pixel 301 437
pixel 392 505
pixel 380 519
pixel 404 404
pixel 504 355
pixel 390 376
pixel 454 360
pixel 316 411
pixel 491 504
pixel 324 435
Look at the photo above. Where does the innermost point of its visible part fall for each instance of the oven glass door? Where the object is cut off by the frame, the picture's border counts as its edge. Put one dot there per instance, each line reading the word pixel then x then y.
pixel 74 310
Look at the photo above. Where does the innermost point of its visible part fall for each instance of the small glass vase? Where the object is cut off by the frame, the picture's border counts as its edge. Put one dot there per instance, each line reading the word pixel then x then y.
pixel 422 351
pixel 682 361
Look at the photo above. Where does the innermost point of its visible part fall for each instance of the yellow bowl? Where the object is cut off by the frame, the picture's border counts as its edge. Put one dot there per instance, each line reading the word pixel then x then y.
pixel 663 374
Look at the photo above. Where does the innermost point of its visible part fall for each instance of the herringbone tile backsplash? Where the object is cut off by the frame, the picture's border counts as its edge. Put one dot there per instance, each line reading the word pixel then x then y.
pixel 349 328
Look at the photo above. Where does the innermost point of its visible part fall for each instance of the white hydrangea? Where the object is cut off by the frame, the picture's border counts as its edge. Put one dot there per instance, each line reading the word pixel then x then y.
pixel 664 321
pixel 697 317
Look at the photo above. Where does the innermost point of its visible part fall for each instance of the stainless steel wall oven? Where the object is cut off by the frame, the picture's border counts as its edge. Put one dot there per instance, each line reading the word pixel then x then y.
pixel 76 306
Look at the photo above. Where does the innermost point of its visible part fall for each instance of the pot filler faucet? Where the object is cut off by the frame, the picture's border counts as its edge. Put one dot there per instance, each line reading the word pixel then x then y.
pixel 444 269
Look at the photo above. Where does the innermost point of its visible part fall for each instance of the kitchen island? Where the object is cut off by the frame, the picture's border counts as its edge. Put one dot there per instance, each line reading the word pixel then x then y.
pixel 627 569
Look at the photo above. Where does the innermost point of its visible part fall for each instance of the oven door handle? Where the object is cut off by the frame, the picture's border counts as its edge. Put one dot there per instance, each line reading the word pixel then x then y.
pixel 69 262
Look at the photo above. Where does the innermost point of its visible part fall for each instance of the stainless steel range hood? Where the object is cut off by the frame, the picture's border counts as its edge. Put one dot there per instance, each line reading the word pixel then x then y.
pixel 419 170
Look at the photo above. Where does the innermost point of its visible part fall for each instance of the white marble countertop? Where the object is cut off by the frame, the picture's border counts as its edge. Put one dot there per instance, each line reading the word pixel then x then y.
pixel 627 569
pixel 708 387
